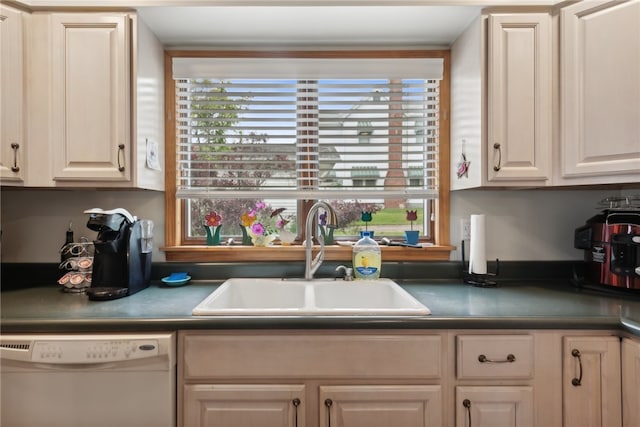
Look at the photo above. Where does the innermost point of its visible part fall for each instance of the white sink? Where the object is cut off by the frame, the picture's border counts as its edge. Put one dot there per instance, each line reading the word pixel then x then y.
pixel 277 297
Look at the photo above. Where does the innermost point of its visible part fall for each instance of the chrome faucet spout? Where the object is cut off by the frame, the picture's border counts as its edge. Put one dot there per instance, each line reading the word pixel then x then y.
pixel 312 264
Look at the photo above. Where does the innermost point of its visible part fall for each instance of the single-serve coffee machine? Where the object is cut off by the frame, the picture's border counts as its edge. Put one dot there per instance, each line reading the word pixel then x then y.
pixel 122 258
pixel 611 243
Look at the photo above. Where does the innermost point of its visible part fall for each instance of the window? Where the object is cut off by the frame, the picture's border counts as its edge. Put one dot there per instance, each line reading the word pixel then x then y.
pixel 364 133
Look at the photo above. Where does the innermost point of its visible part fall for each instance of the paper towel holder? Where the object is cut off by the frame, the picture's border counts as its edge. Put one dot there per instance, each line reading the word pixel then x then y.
pixel 479 280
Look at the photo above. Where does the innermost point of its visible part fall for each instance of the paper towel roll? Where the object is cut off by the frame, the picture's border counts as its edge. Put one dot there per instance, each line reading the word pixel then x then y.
pixel 477 246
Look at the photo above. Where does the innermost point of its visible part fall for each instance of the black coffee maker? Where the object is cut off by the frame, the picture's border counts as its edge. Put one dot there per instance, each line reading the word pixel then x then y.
pixel 120 268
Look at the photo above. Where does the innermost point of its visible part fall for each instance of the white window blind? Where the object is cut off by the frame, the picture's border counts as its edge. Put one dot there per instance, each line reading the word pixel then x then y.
pixel 306 134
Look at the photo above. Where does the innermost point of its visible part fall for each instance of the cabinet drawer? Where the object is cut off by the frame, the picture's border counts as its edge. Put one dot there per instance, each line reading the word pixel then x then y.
pixel 494 356
pixel 311 355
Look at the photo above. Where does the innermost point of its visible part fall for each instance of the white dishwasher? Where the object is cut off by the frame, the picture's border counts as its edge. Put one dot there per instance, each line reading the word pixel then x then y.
pixel 124 380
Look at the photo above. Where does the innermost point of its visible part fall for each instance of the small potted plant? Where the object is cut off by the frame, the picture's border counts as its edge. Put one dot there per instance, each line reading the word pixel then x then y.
pixel 258 226
pixel 412 236
pixel 212 226
pixel 327 232
pixel 286 236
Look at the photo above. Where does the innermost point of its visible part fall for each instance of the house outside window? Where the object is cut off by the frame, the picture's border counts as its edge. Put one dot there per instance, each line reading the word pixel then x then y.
pixel 365 176
pixel 284 142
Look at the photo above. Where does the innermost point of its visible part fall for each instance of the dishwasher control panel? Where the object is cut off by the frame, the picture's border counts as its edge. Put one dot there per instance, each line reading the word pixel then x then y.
pixel 92 351
pixel 79 351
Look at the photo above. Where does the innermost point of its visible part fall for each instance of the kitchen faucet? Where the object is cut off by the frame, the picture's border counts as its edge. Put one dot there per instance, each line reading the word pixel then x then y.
pixel 312 265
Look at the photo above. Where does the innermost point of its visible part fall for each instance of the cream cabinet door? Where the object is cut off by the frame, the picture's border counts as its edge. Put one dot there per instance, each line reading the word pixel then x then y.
pixel 600 91
pixel 12 141
pixel 494 406
pixel 591 382
pixel 630 382
pixel 381 406
pixel 230 405
pixel 519 132
pixel 91 123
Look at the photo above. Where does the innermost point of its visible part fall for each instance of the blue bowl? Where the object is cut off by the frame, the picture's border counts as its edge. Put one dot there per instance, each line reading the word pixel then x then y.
pixel 176 281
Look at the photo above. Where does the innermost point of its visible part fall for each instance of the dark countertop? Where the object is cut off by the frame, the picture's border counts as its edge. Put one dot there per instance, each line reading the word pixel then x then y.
pixel 454 305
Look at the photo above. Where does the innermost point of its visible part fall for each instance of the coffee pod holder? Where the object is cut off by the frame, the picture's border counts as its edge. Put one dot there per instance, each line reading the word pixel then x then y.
pixel 78 266
pixel 479 280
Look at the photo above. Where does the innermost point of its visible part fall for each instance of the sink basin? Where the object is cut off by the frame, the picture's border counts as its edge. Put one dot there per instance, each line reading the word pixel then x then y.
pixel 242 297
pixel 277 297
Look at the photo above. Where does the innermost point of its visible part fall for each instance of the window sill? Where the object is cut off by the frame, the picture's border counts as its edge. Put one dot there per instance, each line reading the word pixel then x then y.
pixel 296 253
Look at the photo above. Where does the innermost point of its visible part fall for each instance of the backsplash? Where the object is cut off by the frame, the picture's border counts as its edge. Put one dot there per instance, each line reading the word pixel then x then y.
pixel 520 224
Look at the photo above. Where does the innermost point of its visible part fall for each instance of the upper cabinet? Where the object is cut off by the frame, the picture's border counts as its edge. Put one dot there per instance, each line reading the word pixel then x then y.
pixel 547 99
pixel 95 116
pixel 12 99
pixel 91 126
pixel 600 92
pixel 501 123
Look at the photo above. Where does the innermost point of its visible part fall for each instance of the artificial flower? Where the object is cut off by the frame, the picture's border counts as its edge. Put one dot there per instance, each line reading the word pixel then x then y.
pixel 412 216
pixel 212 219
pixel 366 218
pixel 260 221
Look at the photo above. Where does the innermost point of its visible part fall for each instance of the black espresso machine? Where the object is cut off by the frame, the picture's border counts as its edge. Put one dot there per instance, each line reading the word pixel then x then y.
pixel 611 243
pixel 120 268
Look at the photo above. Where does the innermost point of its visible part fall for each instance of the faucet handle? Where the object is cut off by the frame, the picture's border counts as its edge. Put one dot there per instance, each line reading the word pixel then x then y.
pixel 348 272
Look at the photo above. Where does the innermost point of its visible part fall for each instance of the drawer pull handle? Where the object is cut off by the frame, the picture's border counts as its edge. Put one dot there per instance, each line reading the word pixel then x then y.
pixel 577 381
pixel 497 167
pixel 328 403
pixel 15 146
pixel 296 403
pixel 120 150
pixel 467 404
pixel 484 359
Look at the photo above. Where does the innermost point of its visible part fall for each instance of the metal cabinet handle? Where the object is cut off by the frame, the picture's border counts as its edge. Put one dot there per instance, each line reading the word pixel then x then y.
pixel 120 150
pixel 328 403
pixel 577 381
pixel 484 359
pixel 467 404
pixel 14 147
pixel 296 403
pixel 497 167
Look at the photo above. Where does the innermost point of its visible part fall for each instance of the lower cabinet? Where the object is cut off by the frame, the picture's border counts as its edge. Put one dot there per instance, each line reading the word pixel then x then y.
pixel 484 363
pixel 630 381
pixel 240 405
pixel 408 378
pixel 591 381
pixel 380 406
pixel 311 379
pixel 494 406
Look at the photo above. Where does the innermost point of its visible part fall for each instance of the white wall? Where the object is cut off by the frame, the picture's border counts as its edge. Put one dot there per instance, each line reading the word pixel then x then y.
pixel 34 222
pixel 521 224
pixel 526 224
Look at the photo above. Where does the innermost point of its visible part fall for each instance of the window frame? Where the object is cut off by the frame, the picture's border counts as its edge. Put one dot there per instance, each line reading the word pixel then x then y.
pixel 176 250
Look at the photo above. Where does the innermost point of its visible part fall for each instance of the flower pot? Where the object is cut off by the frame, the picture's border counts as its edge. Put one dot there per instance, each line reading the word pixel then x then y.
pixel 286 237
pixel 262 240
pixel 213 234
pixel 412 236
pixel 327 235
pixel 246 239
